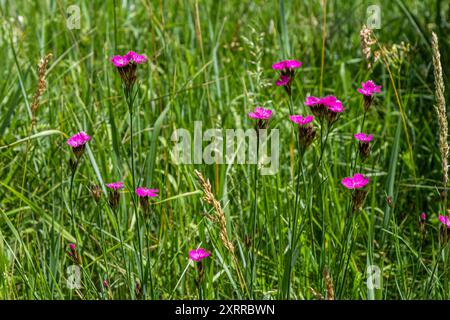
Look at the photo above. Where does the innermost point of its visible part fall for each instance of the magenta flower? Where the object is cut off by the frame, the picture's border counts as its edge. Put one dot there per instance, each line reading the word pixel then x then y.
pixel 115 185
pixel 300 120
pixel 287 65
pixel 423 216
pixel 78 140
pixel 198 254
pixel 312 101
pixel 287 73
pixel 363 137
pixel 145 192
pixel 72 246
pixel 282 81
pixel 445 220
pixel 369 88
pixel 136 58
pixel 260 113
pixel 120 61
pixel 144 195
pixel 358 181
pixel 126 66
pixel 328 107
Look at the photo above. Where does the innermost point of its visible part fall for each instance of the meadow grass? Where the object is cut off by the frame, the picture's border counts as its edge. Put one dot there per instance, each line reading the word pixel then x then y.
pixel 291 235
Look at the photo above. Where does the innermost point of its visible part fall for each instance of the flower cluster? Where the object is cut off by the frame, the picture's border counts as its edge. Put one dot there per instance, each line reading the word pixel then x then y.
pixel 287 73
pixel 328 107
pixel 126 66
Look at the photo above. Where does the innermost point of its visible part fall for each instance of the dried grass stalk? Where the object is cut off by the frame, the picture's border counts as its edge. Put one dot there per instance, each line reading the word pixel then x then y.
pixel 440 109
pixel 367 41
pixel 42 85
pixel 219 216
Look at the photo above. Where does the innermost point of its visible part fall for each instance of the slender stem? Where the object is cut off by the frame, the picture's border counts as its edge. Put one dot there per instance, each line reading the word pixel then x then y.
pixel 255 210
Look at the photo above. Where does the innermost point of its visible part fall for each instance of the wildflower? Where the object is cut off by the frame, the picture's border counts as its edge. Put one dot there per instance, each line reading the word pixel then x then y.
pixel 262 115
pixel 357 182
pixel 144 195
pixel 327 107
pixel 126 66
pixel 444 220
pixel 287 73
pixel 367 90
pixel 73 254
pixel 282 81
pixel 96 192
pixel 423 217
pixel 78 142
pixel 445 230
pixel 363 145
pixel 105 284
pixel 198 254
pixel 114 196
pixel 306 133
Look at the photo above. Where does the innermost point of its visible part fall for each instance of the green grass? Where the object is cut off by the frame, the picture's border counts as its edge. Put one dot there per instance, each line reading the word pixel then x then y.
pixel 211 62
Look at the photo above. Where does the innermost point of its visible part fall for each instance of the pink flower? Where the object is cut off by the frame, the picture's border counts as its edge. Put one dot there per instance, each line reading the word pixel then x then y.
pixel 282 81
pixel 260 113
pixel 136 58
pixel 287 64
pixel 115 185
pixel 423 216
pixel 369 88
pixel 312 101
pixel 301 120
pixel 444 220
pixel 120 61
pixel 356 182
pixel 105 284
pixel 72 246
pixel 363 137
pixel 78 140
pixel 332 103
pixel 199 254
pixel 145 192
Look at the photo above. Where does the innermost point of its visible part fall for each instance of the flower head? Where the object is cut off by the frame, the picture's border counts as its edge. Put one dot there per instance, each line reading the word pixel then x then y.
pixel 358 181
pixel 79 139
pixel 287 65
pixel 423 216
pixel 72 246
pixel 300 120
pixel 363 137
pixel 145 192
pixel 287 73
pixel 312 101
pixel 120 61
pixel 444 220
pixel 282 81
pixel 260 113
pixel 369 88
pixel 126 66
pixel 199 254
pixel 135 57
pixel 115 185
pixel 144 195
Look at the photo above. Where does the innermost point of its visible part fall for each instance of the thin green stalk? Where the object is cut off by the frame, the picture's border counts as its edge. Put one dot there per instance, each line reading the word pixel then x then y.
pixel 255 211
